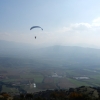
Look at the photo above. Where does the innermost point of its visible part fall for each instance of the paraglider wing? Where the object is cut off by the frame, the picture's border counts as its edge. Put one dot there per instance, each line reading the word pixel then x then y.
pixel 36 27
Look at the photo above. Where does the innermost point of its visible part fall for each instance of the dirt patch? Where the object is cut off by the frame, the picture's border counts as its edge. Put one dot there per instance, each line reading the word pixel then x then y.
pixel 64 83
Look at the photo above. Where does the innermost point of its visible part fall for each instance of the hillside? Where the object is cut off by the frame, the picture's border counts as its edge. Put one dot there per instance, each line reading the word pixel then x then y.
pixel 79 93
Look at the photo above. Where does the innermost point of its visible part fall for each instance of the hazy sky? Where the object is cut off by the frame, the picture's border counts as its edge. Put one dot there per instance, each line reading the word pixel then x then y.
pixel 65 22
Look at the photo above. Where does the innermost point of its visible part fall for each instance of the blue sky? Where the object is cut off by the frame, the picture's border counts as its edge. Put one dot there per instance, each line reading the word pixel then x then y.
pixel 65 22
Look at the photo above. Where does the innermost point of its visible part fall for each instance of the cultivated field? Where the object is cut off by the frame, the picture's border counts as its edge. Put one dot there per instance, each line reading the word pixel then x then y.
pixel 20 78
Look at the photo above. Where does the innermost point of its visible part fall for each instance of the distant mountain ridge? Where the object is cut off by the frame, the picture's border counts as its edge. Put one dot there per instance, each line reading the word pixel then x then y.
pixel 57 54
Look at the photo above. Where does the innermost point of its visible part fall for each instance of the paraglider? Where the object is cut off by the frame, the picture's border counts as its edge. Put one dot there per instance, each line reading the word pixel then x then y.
pixel 35 27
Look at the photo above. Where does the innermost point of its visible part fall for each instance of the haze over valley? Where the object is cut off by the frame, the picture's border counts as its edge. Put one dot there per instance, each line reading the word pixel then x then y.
pixel 53 67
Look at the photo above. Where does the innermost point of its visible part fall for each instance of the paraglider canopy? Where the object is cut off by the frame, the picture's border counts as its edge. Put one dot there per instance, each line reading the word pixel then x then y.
pixel 35 27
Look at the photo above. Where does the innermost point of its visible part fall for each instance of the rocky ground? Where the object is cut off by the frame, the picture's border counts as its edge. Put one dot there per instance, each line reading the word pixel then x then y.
pixel 79 93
